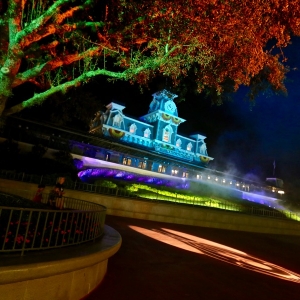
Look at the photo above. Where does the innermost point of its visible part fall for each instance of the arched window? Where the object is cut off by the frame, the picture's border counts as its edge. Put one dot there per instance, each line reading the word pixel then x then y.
pixel 178 143
pixel 203 149
pixel 189 147
pixel 132 128
pixel 167 132
pixel 147 133
pixel 117 120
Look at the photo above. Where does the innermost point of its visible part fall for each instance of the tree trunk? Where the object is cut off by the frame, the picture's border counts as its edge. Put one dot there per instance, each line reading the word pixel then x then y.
pixel 5 88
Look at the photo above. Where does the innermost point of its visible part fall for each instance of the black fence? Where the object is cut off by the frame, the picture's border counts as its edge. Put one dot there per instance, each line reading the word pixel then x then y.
pixel 25 229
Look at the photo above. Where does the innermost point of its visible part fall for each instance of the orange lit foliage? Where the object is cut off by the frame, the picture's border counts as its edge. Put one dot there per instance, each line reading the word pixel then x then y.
pixel 65 43
pixel 236 32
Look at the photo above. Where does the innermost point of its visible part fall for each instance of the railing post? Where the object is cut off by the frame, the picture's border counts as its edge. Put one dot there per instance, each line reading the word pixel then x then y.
pixel 26 233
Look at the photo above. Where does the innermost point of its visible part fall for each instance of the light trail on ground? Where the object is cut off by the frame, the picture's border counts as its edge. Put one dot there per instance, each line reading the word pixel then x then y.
pixel 218 251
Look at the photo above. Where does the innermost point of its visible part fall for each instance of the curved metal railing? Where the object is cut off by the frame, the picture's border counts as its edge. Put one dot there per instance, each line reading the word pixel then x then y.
pixel 24 229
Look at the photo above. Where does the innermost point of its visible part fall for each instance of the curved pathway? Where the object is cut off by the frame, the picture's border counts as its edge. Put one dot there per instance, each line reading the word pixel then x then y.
pixel 160 261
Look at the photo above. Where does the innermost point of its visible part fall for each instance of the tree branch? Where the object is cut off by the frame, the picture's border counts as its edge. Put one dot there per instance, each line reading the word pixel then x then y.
pixel 53 28
pixel 40 21
pixel 14 20
pixel 53 64
pixel 64 87
pixel 30 33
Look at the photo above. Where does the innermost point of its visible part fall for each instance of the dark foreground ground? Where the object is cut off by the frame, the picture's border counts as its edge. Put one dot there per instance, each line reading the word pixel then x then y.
pixel 160 261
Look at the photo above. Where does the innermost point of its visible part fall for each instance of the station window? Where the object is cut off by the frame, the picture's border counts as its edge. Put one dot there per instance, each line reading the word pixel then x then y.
pixel 174 172
pixel 147 133
pixel 167 132
pixel 166 136
pixel 178 143
pixel 189 147
pixel 161 169
pixel 127 161
pixel 117 120
pixel 142 164
pixel 132 128
pixel 185 174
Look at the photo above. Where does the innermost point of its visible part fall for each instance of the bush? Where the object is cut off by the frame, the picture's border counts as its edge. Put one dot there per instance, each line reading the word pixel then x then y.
pixel 106 183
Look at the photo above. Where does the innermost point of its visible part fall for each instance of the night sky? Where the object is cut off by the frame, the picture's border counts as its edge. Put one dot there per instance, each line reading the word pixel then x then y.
pixel 243 139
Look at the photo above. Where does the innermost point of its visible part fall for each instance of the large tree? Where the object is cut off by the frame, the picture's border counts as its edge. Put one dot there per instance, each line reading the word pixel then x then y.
pixel 53 46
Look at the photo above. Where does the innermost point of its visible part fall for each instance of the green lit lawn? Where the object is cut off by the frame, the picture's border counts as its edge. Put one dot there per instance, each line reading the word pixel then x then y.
pixel 190 198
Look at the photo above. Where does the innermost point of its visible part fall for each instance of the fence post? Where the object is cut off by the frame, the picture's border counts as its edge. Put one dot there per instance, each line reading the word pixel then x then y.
pixel 26 233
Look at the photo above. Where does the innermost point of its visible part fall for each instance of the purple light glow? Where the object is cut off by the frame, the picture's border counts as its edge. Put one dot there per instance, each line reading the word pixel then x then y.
pixel 264 200
pixel 90 175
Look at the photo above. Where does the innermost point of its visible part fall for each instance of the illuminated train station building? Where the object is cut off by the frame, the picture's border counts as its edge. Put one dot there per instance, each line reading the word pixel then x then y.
pixel 148 149
pixel 154 140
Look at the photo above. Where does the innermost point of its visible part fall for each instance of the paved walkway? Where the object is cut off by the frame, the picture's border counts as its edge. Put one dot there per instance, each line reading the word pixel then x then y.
pixel 159 261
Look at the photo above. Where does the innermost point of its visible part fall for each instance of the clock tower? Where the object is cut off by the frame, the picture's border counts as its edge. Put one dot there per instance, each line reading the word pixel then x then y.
pixel 163 115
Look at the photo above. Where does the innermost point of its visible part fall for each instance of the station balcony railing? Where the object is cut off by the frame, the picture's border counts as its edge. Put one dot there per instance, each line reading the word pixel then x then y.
pixel 123 193
pixel 26 229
